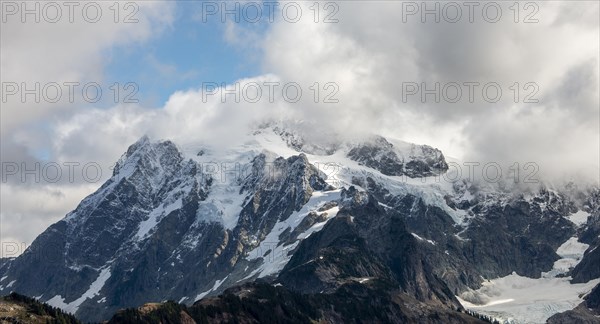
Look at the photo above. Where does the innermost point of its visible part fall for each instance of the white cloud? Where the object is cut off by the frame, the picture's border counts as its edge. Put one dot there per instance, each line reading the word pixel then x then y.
pixel 371 52
pixel 67 52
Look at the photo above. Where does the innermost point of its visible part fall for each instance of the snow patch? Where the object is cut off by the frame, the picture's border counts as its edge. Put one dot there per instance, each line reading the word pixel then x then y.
pixel 422 239
pixel 94 290
pixel 571 252
pixel 525 300
pixel 225 201
pixel 10 284
pixel 154 217
pixel 579 218
pixel 215 287
pixel 250 275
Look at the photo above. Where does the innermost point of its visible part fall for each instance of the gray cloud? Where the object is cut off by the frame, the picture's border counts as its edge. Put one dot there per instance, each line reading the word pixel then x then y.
pixel 371 51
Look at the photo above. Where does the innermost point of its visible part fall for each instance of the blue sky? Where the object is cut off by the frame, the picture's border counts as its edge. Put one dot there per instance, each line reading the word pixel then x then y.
pixel 183 56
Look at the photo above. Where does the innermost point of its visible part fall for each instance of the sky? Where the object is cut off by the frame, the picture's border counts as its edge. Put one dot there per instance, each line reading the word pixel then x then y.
pixel 388 67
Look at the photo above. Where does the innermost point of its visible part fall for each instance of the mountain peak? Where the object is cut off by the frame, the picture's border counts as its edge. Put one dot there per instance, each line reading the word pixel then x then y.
pixel 146 151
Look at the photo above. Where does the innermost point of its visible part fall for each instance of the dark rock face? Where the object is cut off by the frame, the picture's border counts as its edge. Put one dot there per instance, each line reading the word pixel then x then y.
pixel 503 234
pixel 515 237
pixel 330 258
pixel 102 233
pixel 275 193
pixel 364 241
pixel 362 266
pixel 592 300
pixel 381 155
pixel 589 267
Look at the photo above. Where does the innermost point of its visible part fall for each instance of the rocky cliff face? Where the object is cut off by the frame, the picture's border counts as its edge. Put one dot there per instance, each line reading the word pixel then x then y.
pixel 589 267
pixel 365 241
pixel 414 161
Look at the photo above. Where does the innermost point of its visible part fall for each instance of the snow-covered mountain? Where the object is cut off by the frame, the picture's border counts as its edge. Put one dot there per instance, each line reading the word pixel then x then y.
pixel 185 221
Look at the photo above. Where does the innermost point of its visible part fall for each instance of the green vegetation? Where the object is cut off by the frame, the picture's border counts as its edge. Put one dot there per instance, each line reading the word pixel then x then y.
pixel 23 309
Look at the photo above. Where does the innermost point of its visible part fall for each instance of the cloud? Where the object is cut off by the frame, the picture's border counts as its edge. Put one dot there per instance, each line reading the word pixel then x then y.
pixel 58 52
pixel 371 52
pixel 67 52
pixel 24 218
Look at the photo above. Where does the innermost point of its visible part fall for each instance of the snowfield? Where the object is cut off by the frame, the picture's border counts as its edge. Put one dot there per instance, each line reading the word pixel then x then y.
pixel 579 218
pixel 517 299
